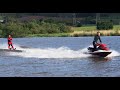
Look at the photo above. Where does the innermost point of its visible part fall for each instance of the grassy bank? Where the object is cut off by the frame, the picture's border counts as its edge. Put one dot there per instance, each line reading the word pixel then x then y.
pixel 82 31
pixel 91 31
pixel 49 35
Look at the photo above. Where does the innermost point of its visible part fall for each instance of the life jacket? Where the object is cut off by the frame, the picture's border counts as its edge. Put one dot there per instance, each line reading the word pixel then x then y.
pixel 9 40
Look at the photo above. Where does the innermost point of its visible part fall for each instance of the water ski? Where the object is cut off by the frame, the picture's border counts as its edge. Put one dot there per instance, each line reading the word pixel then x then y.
pixel 10 50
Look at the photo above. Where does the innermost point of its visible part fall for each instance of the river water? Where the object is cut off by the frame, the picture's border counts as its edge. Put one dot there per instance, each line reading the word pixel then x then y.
pixel 58 57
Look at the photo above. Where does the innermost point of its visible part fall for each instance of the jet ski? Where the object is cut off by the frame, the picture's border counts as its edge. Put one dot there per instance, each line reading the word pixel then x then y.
pixel 102 50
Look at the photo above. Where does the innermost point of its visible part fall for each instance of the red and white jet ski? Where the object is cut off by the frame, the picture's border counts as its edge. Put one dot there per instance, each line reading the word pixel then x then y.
pixel 102 50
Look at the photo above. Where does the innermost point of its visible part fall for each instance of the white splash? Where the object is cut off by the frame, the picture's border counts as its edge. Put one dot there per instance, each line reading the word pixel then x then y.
pixel 62 52
pixel 114 53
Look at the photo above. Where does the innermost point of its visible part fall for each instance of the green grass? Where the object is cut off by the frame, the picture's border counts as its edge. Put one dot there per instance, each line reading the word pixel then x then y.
pixel 91 31
pixel 116 27
pixel 49 35
pixel 87 28
pixel 91 28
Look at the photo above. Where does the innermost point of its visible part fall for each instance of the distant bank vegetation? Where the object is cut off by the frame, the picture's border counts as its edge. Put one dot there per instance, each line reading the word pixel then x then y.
pixel 55 28
pixel 104 25
pixel 23 29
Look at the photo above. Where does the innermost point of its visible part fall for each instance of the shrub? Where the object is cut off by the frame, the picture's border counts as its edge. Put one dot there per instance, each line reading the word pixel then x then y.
pixel 49 20
pixel 79 24
pixel 21 29
pixel 104 25
pixel 64 28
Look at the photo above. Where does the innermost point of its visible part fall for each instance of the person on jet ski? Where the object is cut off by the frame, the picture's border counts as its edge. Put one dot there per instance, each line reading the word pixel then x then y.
pixel 96 38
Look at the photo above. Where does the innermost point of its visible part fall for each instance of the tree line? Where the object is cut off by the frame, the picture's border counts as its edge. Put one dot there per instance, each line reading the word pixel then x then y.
pixel 21 29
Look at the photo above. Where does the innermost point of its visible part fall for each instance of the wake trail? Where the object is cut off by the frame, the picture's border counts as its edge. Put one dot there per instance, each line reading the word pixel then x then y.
pixel 61 52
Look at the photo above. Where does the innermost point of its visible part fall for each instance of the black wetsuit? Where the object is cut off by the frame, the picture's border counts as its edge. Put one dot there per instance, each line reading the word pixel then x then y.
pixel 96 38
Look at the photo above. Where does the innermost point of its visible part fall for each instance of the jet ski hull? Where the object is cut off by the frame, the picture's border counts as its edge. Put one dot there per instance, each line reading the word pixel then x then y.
pixel 101 50
pixel 100 54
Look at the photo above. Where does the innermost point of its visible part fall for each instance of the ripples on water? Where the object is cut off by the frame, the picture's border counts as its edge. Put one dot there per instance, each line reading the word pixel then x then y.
pixel 64 57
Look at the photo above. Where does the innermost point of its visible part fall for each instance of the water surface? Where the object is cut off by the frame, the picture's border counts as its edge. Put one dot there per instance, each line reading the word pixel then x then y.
pixel 58 57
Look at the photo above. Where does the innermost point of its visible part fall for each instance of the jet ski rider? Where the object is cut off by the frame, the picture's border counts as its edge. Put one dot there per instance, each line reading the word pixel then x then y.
pixel 96 38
